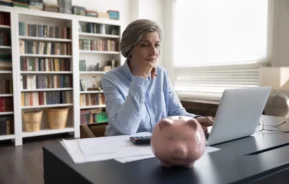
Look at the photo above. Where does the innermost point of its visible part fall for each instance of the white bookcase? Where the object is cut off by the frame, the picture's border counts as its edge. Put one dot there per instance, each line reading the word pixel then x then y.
pixel 23 69
pixel 9 74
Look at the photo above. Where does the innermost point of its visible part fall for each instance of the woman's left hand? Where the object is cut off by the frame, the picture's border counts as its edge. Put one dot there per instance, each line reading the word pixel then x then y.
pixel 206 122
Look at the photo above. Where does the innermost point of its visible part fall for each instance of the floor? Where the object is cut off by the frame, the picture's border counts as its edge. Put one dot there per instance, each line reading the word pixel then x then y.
pixel 23 164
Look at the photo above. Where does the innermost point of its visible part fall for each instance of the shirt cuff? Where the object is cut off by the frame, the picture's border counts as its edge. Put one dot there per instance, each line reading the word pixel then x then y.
pixel 138 88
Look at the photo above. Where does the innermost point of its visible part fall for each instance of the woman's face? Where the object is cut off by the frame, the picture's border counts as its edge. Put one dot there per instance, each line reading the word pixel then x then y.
pixel 148 48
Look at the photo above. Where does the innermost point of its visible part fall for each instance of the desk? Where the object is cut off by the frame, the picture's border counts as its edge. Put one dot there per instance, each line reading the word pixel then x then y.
pixel 238 161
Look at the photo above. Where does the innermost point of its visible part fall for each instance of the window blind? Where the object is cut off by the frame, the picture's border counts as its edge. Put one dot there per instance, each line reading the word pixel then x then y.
pixel 209 82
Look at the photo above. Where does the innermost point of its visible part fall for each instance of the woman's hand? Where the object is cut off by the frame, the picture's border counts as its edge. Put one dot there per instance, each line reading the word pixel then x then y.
pixel 145 69
pixel 154 72
pixel 205 122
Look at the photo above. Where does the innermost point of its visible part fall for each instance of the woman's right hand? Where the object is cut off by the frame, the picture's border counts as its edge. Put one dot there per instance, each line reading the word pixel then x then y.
pixel 145 69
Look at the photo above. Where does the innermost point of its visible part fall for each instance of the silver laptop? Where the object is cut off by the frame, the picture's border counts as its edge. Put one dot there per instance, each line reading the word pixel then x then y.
pixel 238 114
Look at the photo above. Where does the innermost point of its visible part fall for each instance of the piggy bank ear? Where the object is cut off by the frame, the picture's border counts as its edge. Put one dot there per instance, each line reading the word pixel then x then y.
pixel 192 123
pixel 165 123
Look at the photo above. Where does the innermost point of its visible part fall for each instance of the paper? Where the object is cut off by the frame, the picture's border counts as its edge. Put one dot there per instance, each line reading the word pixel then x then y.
pixel 115 147
pixel 105 148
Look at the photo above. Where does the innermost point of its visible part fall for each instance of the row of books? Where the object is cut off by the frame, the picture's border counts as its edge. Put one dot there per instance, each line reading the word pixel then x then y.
pixel 44 82
pixel 92 99
pixel 5 18
pixel 46 98
pixel 35 47
pixel 44 31
pixel 44 64
pixel 6 86
pixel 5 38
pixel 99 45
pixel 6 104
pixel 6 125
pixel 94 28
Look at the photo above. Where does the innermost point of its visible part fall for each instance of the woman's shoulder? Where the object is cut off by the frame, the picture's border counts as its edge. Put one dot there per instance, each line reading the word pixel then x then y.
pixel 113 73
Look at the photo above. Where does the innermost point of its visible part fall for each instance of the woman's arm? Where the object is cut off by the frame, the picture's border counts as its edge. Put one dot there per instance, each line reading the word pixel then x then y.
pixel 125 115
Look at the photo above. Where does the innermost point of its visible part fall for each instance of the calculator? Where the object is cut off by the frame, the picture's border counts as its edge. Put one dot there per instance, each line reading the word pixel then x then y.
pixel 140 140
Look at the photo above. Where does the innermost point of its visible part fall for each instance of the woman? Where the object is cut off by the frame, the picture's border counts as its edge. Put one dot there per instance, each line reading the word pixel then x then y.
pixel 138 94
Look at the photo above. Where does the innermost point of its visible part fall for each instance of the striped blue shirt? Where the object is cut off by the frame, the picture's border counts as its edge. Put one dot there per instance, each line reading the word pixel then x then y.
pixel 135 104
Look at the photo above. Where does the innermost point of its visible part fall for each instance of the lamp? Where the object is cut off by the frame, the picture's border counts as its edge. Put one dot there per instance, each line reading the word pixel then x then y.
pixel 278 79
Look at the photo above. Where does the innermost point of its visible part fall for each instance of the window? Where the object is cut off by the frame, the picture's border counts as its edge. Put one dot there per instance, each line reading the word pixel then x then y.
pixel 218 45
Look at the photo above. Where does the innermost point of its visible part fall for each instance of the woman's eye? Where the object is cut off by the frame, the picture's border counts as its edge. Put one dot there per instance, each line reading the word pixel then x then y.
pixel 144 45
pixel 157 45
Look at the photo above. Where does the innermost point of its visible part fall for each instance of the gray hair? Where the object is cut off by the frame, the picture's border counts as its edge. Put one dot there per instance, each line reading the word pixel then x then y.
pixel 135 31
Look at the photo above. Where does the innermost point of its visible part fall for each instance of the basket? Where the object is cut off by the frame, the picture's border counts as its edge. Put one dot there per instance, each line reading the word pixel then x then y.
pixel 32 120
pixel 57 117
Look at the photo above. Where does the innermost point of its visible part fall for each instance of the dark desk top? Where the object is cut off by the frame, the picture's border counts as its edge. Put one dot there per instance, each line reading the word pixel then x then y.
pixel 238 161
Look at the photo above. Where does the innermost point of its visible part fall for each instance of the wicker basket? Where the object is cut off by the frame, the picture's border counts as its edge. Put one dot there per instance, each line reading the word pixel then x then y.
pixel 57 117
pixel 32 120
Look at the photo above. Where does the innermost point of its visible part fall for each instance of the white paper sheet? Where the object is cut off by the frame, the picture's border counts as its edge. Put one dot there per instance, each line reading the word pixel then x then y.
pixel 105 148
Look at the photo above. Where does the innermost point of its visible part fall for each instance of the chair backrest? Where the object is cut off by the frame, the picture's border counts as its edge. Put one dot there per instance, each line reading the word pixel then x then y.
pixel 92 130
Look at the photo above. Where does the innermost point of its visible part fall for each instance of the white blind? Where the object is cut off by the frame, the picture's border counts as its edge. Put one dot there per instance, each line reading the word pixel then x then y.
pixel 208 83
pixel 219 44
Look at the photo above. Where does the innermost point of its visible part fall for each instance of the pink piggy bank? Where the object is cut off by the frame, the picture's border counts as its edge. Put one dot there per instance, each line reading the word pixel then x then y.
pixel 178 141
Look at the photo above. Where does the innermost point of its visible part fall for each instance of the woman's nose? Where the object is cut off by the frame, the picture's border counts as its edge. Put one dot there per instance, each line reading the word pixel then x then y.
pixel 153 51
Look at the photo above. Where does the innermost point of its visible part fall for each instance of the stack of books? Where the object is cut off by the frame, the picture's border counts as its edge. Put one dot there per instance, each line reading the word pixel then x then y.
pixel 6 3
pixel 21 3
pixel 65 6
pixel 51 7
pixel 36 4
pixel 91 13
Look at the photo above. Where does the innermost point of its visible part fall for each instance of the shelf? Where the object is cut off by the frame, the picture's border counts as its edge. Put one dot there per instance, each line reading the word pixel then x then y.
pixel 5 47
pixel 6 113
pixel 6 95
pixel 4 27
pixel 92 72
pixel 92 107
pixel 32 72
pixel 47 89
pixel 6 137
pixel 90 92
pixel 45 55
pixel 44 39
pixel 97 35
pixel 46 106
pixel 98 52
pixel 4 72
pixel 47 132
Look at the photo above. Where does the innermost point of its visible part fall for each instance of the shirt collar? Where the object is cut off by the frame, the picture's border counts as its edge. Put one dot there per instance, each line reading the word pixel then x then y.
pixel 127 71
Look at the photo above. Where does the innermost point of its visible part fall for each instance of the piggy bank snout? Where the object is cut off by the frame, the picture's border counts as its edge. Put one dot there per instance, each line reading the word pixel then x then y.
pixel 179 152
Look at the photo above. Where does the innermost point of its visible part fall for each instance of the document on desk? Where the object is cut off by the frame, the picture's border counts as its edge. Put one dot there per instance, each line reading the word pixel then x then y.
pixel 105 148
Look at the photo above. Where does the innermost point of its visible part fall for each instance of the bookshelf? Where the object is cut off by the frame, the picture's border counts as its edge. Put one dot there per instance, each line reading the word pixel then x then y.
pixel 51 63
pixel 98 49
pixel 7 73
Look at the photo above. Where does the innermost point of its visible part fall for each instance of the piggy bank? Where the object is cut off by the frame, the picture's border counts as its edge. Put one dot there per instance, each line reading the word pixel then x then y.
pixel 178 141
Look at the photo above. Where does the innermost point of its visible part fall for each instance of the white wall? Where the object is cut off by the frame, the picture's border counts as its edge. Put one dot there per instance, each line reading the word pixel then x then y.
pixel 280 54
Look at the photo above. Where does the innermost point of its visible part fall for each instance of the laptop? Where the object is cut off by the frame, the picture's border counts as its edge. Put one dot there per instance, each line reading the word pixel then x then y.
pixel 238 114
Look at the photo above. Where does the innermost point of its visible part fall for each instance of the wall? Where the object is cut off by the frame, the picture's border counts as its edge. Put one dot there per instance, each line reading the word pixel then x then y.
pixel 280 55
